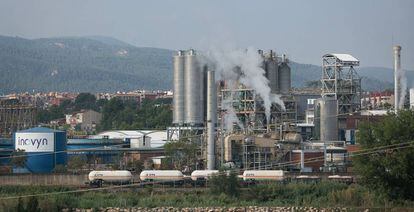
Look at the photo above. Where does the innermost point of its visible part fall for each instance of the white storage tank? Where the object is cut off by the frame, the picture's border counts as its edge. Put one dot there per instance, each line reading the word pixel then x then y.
pixel 328 118
pixel 203 174
pixel 118 176
pixel 161 175
pixel 258 175
pixel 178 100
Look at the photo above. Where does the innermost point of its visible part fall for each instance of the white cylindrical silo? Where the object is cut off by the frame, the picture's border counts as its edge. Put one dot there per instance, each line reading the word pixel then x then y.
pixel 412 98
pixel 193 86
pixel 178 101
pixel 328 119
pixel 284 77
pixel 272 72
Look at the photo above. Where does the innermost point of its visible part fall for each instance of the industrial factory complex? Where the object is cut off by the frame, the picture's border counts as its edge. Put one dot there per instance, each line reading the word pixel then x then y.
pixel 252 120
pixel 228 120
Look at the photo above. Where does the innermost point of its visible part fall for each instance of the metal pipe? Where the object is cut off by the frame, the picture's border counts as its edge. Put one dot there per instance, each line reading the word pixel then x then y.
pixel 302 160
pixel 397 70
pixel 211 118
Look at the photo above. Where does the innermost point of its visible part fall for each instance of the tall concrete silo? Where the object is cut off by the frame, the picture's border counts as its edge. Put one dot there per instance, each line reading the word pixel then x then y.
pixel 284 76
pixel 178 101
pixel 328 106
pixel 193 83
pixel 272 72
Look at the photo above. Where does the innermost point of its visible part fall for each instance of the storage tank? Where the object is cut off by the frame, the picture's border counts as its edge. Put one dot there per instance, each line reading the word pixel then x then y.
pixel 118 176
pixel 292 137
pixel 202 174
pixel 284 77
pixel 258 175
pixel 272 73
pixel 178 101
pixel 328 107
pixel 161 175
pixel 193 80
pixel 45 148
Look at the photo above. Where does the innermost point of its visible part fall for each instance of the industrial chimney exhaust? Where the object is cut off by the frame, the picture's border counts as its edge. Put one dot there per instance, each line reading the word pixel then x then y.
pixel 211 118
pixel 397 77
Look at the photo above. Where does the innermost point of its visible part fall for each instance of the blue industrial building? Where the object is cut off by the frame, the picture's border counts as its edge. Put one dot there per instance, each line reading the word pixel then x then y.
pixel 45 148
pixel 101 151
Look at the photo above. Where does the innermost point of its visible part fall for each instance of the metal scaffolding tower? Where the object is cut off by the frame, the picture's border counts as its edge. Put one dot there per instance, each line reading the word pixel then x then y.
pixel 248 106
pixel 339 79
pixel 15 116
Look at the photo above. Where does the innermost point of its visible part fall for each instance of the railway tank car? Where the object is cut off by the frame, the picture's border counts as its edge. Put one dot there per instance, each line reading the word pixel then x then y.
pixel 263 175
pixel 200 177
pixel 202 174
pixel 162 176
pixel 97 178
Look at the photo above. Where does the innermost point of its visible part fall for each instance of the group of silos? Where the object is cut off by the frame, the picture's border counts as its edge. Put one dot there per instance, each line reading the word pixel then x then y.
pixel 189 89
pixel 195 97
pixel 277 72
pixel 190 84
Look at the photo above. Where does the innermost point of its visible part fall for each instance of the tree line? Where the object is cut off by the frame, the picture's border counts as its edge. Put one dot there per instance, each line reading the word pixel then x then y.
pixel 116 114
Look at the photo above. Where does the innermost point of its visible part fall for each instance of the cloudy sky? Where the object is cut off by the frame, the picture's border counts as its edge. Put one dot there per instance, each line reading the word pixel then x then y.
pixel 303 29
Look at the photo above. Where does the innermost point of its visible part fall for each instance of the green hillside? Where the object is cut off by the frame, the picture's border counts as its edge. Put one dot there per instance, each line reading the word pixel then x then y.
pixel 80 64
pixel 104 64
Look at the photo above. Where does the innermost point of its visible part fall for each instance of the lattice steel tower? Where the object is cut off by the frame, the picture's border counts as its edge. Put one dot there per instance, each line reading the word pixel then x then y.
pixel 340 79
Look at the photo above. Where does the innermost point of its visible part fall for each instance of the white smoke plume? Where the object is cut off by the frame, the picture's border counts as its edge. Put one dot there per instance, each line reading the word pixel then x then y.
pixel 244 66
pixel 230 116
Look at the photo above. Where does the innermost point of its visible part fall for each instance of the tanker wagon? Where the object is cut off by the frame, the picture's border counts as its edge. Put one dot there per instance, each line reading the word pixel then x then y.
pixel 119 177
pixel 166 177
pixel 257 176
pixel 200 177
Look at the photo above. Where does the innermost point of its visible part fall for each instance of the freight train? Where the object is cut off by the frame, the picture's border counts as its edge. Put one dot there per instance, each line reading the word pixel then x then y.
pixel 201 177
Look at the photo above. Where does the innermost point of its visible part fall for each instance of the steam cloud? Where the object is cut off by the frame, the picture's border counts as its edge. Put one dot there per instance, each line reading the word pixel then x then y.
pixel 243 66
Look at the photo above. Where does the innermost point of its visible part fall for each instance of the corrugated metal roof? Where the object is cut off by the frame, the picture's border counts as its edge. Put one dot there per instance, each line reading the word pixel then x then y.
pixel 345 57
pixel 158 138
pixel 39 130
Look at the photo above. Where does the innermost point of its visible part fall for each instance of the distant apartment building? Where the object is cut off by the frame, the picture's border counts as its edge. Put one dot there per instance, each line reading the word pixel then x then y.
pixel 377 100
pixel 138 97
pixel 86 120
pixel 128 97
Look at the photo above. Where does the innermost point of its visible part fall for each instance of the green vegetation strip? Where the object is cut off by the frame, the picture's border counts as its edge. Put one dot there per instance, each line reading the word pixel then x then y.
pixel 324 194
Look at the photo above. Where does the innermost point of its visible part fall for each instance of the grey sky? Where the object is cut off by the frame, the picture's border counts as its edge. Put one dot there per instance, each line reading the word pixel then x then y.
pixel 305 30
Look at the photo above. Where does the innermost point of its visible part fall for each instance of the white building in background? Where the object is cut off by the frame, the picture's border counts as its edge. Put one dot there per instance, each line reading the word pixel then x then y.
pixel 137 138
pixel 86 119
pixel 412 98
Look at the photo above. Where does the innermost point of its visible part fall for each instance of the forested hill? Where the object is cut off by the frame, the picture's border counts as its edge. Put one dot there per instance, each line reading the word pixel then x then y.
pixel 100 64
pixel 81 64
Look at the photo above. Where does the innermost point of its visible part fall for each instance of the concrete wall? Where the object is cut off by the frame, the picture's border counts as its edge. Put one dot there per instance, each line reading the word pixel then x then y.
pixel 43 179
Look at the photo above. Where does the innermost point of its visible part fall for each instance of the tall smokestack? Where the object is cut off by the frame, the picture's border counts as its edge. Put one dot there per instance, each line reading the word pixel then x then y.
pixel 397 77
pixel 211 118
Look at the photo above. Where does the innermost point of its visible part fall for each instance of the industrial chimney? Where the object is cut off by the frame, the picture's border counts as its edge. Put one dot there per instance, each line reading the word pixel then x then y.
pixel 397 77
pixel 211 118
